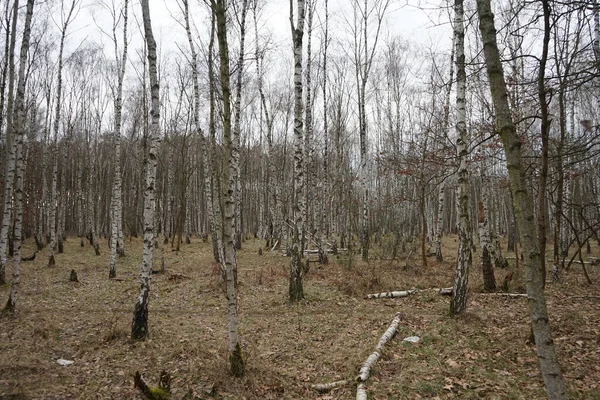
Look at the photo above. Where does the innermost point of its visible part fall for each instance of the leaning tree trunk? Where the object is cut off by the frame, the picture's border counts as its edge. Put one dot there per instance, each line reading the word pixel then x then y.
pixel 139 326
pixel 464 258
pixel 20 165
pixel 236 360
pixel 117 212
pixel 523 206
pixel 296 291
pixel 10 146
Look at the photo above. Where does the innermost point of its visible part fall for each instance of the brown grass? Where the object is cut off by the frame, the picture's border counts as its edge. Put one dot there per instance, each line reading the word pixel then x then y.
pixel 483 355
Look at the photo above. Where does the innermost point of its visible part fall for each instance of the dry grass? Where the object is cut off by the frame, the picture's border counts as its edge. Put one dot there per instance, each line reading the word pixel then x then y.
pixel 287 347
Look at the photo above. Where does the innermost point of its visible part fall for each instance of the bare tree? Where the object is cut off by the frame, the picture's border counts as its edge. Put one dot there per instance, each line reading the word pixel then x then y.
pixel 464 258
pixel 237 363
pixel 116 244
pixel 19 121
pixel 139 327
pixel 523 205
pixel 296 291
pixel 10 143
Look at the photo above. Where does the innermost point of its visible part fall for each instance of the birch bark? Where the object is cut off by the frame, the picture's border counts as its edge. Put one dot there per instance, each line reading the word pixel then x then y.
pixel 296 291
pixel 57 114
pixel 20 166
pixel 237 363
pixel 237 129
pixel 139 327
pixel 10 147
pixel 116 245
pixel 464 257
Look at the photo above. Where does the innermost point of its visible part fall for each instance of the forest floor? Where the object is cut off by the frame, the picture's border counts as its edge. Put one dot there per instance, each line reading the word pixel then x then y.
pixel 288 347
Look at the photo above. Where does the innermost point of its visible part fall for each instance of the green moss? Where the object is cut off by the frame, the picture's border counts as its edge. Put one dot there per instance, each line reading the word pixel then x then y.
pixel 238 365
pixel 158 393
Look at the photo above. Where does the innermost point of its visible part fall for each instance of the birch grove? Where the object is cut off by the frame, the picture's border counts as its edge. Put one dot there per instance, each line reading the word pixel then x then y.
pixel 336 139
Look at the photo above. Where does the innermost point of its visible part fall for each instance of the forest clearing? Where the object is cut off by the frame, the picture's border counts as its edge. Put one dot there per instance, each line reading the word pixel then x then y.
pixel 288 346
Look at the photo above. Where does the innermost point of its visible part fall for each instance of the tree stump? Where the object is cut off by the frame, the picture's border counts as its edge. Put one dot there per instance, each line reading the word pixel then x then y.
pixel 73 276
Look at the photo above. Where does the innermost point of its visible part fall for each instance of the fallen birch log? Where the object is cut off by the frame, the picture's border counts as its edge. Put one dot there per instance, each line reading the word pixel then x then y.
pixel 405 293
pixel 512 295
pixel 365 370
pixel 325 387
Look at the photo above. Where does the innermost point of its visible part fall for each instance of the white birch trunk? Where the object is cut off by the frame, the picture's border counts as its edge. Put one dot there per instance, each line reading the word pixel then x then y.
pixel 116 244
pixel 237 363
pixel 19 110
pixel 11 148
pixel 296 291
pixel 464 257
pixel 237 129
pixel 139 329
pixel 58 105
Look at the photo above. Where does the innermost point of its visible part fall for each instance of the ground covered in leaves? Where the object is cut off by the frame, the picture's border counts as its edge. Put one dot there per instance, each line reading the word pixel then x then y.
pixel 288 347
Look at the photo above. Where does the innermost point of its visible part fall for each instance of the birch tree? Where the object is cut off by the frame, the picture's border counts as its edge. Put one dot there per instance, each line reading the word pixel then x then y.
pixel 116 243
pixel 237 363
pixel 10 144
pixel 66 20
pixel 364 54
pixel 464 257
pixel 19 124
pixel 523 206
pixel 296 291
pixel 237 126
pixel 206 142
pixel 139 327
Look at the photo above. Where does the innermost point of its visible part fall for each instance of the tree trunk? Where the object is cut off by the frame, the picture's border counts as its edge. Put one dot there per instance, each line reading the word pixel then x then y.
pixel 464 258
pixel 139 327
pixel 10 145
pixel 296 291
pixel 545 135
pixel 19 125
pixel 237 362
pixel 117 212
pixel 555 386
pixel 237 129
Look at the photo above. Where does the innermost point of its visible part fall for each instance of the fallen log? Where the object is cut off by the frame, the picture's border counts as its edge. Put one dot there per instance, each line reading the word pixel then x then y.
pixel 325 387
pixel 405 293
pixel 513 295
pixel 365 370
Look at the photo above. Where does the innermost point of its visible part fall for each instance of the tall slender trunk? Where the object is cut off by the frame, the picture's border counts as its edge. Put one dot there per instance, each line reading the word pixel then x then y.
pixel 20 163
pixel 308 134
pixel 139 326
pixel 523 202
pixel 237 362
pixel 10 147
pixel 116 245
pixel 296 291
pixel 210 160
pixel 324 179
pixel 464 258
pixel 205 139
pixel 57 115
pixel 545 135
pixel 237 129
